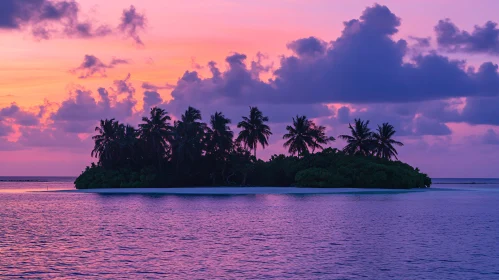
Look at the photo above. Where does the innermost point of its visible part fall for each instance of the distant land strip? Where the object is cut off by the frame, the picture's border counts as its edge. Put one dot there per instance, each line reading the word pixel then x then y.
pixel 22 180
pixel 465 183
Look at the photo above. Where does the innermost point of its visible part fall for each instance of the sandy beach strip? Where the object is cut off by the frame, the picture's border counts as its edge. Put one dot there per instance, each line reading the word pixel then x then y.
pixel 239 191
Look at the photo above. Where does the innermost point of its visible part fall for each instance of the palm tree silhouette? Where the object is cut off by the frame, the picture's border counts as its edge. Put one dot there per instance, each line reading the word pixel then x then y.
pixel 129 144
pixel 155 132
pixel 221 136
pixel 219 144
pixel 360 142
pixel 300 136
pixel 106 145
pixel 191 116
pixel 189 136
pixel 384 144
pixel 254 130
pixel 320 137
pixel 305 134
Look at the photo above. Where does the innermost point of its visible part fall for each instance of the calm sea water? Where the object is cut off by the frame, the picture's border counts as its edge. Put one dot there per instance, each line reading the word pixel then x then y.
pixel 448 232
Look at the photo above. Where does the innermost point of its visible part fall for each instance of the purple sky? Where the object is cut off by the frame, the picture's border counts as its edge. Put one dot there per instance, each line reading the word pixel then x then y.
pixel 427 67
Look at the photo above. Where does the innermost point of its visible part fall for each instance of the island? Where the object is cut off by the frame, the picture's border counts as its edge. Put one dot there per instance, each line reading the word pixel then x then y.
pixel 191 153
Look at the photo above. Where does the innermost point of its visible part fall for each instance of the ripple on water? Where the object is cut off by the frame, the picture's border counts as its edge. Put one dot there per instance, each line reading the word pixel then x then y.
pixel 421 235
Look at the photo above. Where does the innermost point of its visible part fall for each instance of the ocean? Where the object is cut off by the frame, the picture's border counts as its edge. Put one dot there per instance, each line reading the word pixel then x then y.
pixel 450 231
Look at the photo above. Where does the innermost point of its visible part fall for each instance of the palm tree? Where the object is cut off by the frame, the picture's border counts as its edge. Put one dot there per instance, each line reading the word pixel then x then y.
pixel 384 142
pixel 155 131
pixel 320 137
pixel 305 134
pixel 254 130
pixel 220 134
pixel 360 141
pixel 300 136
pixel 106 146
pixel 189 136
pixel 219 144
pixel 129 144
pixel 191 115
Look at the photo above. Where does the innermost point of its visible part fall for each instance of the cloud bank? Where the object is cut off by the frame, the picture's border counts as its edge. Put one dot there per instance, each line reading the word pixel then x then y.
pixel 483 39
pixel 48 19
pixel 367 72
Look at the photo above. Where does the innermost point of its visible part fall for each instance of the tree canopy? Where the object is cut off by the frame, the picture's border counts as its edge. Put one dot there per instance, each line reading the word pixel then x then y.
pixel 190 152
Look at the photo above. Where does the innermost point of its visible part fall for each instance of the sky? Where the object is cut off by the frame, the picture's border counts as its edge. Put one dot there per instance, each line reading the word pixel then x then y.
pixel 427 67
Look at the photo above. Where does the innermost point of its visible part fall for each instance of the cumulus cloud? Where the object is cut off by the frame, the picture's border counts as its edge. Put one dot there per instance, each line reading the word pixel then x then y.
pixel 479 111
pixel 132 23
pixel 472 110
pixel 16 13
pixel 62 126
pixel 258 66
pixel 225 90
pixel 377 76
pixel 483 39
pixel 92 66
pixel 52 138
pixel 364 65
pixel 19 116
pixel 47 19
pixel 406 118
pixel 236 85
pixel 124 86
pixel 310 46
pixel 14 115
pixel 81 112
pixel 151 99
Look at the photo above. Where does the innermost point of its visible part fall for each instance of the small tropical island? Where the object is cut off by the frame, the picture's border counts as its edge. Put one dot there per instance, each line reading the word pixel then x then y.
pixel 191 153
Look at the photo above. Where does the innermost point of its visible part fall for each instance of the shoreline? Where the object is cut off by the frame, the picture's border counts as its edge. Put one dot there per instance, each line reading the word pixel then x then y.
pixel 465 183
pixel 239 191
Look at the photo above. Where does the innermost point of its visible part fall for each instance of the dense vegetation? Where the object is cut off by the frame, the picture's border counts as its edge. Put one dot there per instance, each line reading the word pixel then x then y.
pixel 190 152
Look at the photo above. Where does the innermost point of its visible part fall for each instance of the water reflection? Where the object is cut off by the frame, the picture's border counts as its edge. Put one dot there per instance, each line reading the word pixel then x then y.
pixel 427 235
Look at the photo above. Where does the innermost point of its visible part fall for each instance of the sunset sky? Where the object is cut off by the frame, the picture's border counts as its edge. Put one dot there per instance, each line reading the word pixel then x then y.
pixel 427 67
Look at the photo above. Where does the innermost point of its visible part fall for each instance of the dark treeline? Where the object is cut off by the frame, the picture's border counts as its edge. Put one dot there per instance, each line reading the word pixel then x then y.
pixel 189 152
